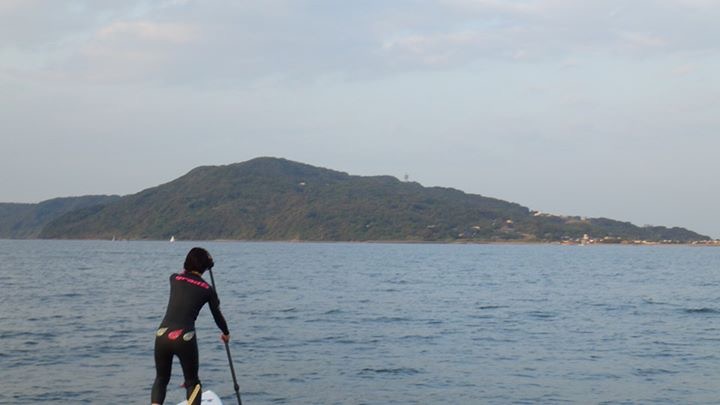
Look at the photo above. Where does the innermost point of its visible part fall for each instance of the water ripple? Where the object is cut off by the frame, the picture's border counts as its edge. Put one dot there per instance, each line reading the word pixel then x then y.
pixel 370 323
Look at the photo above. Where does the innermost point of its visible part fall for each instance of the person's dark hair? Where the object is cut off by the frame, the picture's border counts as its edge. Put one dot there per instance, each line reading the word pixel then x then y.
pixel 198 259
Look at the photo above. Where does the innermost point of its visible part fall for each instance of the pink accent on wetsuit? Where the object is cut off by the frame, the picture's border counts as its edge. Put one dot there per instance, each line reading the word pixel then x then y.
pixel 204 285
pixel 175 334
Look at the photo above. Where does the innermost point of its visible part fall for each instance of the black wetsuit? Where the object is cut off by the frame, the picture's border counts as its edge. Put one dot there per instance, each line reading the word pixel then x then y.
pixel 176 335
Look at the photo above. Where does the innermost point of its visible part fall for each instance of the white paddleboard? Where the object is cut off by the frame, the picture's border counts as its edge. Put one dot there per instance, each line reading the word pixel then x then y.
pixel 208 398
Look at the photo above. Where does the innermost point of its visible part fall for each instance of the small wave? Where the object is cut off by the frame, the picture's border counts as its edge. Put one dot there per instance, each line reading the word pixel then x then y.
pixel 701 311
pixel 486 316
pixel 541 314
pixel 283 318
pixel 388 319
pixel 487 339
pixel 661 343
pixel 652 301
pixel 482 307
pixel 68 295
pixel 60 395
pixel 292 309
pixel 10 334
pixel 269 375
pixel 645 372
pixel 417 337
pixel 333 312
pixel 390 371
pixel 254 393
pixel 709 284
pixel 333 339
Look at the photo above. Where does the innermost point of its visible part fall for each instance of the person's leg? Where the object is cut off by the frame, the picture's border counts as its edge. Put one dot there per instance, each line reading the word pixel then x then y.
pixel 163 368
pixel 189 361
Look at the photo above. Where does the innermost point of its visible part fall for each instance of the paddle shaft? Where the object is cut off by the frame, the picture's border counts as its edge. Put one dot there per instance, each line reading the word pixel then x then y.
pixel 227 349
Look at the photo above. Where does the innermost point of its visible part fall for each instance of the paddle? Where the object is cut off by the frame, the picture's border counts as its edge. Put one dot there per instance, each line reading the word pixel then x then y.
pixel 227 349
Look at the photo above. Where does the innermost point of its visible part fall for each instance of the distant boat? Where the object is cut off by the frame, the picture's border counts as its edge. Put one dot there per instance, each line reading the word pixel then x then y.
pixel 172 238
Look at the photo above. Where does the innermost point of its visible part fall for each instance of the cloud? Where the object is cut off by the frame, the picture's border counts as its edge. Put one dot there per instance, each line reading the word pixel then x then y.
pixel 684 70
pixel 435 49
pixel 35 25
pixel 560 29
pixel 10 6
pixel 643 40
pixel 149 31
pixel 125 51
pixel 496 6
pixel 183 41
pixel 694 4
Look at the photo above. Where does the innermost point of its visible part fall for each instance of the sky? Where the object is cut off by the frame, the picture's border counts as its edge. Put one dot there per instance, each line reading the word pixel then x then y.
pixel 597 108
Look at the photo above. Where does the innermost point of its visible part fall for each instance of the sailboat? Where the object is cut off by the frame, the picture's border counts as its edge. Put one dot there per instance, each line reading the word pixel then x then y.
pixel 172 238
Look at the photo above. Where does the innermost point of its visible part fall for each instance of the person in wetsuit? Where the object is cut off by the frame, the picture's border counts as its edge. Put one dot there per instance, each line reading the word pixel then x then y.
pixel 176 334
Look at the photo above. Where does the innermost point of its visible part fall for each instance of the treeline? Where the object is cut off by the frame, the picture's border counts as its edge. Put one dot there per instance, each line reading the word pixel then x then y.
pixel 27 221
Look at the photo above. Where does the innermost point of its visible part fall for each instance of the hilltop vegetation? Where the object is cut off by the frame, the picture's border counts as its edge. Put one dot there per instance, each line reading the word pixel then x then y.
pixel 25 221
pixel 277 199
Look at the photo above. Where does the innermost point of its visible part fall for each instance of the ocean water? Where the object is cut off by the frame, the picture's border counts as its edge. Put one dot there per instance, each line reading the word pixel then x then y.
pixel 342 323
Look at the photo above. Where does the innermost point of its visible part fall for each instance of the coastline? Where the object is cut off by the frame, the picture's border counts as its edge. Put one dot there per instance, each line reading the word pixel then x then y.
pixel 709 243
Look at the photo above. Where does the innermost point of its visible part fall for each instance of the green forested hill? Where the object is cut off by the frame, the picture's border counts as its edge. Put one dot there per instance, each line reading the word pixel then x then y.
pixel 277 199
pixel 22 221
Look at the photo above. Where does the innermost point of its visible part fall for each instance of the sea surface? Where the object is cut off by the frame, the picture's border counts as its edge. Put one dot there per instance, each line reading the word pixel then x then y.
pixel 336 323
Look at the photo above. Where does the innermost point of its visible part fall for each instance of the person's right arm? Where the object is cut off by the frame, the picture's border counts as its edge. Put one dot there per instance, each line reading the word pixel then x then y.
pixel 217 314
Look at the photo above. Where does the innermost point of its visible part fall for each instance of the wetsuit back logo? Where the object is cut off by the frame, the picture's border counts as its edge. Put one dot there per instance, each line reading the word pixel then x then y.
pixel 161 331
pixel 188 336
pixel 198 283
